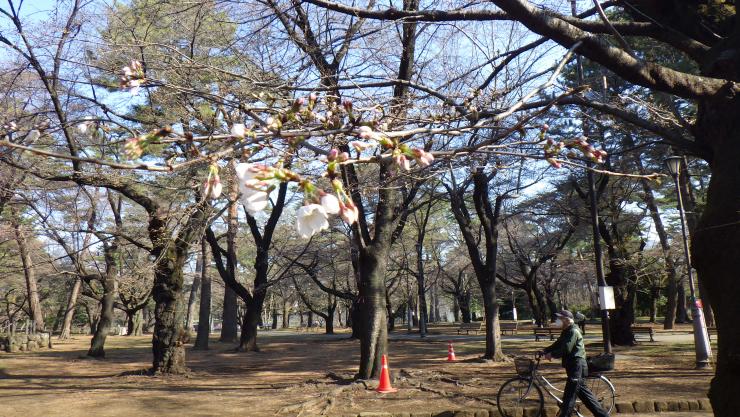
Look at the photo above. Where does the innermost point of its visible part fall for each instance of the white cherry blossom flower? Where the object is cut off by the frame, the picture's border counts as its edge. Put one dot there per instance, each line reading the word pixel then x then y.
pixel 330 203
pixel 311 219
pixel 349 213
pixel 254 199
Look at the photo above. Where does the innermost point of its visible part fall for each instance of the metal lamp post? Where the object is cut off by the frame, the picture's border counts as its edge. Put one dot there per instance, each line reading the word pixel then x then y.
pixel 701 338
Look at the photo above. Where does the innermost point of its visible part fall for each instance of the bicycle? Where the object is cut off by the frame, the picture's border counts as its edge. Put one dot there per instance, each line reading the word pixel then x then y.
pixel 525 390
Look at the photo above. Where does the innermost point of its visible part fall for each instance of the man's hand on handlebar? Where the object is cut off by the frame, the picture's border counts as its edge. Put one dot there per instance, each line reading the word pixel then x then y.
pixel 542 354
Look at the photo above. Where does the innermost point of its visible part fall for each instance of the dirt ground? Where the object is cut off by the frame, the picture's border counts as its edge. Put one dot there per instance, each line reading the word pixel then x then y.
pixel 308 374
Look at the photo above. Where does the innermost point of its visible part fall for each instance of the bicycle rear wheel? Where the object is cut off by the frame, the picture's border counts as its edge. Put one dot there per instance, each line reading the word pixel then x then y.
pixel 602 389
pixel 517 394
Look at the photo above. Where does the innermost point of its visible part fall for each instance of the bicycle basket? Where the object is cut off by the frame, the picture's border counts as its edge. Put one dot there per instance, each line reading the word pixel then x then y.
pixel 600 363
pixel 523 366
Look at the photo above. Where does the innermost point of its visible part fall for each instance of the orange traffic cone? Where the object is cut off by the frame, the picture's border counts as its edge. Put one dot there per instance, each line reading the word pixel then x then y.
pixel 450 353
pixel 385 378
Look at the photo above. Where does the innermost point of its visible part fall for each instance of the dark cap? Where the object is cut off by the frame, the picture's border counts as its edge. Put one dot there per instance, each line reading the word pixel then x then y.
pixel 565 313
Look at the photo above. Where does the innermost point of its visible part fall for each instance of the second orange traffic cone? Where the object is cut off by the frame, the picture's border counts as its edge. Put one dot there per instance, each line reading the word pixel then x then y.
pixel 450 353
pixel 385 378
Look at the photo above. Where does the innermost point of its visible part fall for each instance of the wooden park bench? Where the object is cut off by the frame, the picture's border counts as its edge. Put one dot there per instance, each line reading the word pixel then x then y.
pixel 546 331
pixel 508 327
pixel 468 327
pixel 643 330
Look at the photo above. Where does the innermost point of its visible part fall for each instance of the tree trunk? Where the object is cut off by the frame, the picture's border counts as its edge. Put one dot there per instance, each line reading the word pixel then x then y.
pixel 34 305
pixel 423 309
pixel 493 331
pixel 286 315
pixel 69 313
pixel 330 318
pixel 654 295
pixel 193 298
pixel 551 306
pixel 456 311
pixel 169 337
pixel 204 309
pixel 682 315
pixel 621 320
pixel 537 314
pixel 716 250
pixel 229 317
pixel 134 323
pixel 374 338
pixel 275 316
pixel 435 304
pixel 92 318
pixel 250 321
pixel 464 305
pixel 110 288
pixel 354 319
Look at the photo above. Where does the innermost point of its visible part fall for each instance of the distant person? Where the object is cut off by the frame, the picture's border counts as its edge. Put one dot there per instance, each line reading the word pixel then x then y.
pixel 569 347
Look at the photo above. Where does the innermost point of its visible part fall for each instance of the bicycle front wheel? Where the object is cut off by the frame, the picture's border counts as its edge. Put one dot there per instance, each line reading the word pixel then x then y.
pixel 603 390
pixel 518 394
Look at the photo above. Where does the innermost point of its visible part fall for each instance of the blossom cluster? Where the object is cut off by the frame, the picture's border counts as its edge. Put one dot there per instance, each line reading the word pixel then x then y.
pixel 135 147
pixel 554 149
pixel 256 181
pixel 132 77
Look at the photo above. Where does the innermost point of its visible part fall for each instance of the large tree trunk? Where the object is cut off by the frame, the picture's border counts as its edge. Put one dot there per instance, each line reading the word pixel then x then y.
pixel 716 248
pixel 621 320
pixel 169 336
pixel 493 331
pixel 135 323
pixel 34 305
pixel 204 309
pixel 110 287
pixel 464 306
pixel 354 319
pixel 374 338
pixel 229 317
pixel 286 315
pixel 534 305
pixel 92 316
pixel 69 313
pixel 330 310
pixel 250 321
pixel 253 308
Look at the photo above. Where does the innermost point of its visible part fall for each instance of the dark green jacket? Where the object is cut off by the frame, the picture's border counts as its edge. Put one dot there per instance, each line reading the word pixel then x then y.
pixel 569 345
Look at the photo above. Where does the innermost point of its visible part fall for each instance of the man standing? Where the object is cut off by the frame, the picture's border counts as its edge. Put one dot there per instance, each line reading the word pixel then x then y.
pixel 569 347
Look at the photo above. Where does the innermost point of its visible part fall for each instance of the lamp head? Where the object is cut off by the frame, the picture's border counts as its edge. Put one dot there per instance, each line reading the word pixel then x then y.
pixel 673 163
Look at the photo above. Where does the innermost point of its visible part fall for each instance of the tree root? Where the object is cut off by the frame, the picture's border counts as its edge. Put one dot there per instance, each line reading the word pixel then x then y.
pixel 324 402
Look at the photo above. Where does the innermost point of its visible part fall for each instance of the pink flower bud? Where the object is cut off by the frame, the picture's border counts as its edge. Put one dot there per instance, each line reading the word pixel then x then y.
pixel 554 163
pixel 333 154
pixel 349 212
